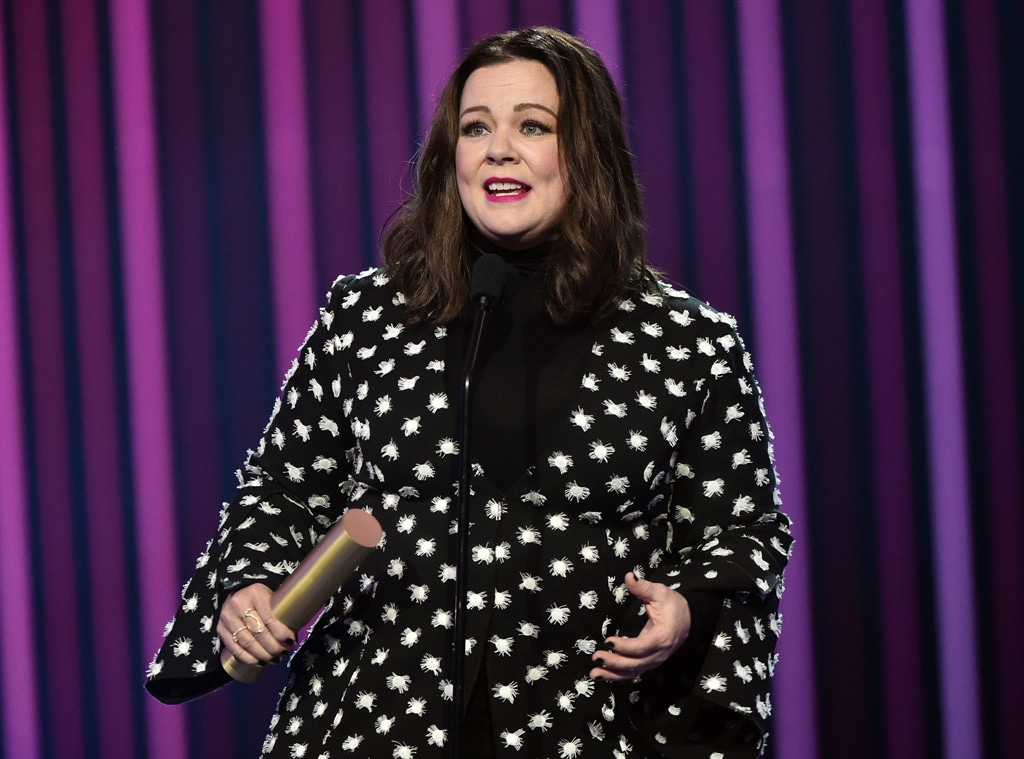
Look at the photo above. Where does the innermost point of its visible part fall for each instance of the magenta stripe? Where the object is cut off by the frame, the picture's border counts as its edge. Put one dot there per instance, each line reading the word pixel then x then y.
pixel 101 465
pixel 900 607
pixel 1000 401
pixel 19 694
pixel 597 22
pixel 145 322
pixel 937 273
pixel 52 493
pixel 436 26
pixel 291 216
pixel 774 294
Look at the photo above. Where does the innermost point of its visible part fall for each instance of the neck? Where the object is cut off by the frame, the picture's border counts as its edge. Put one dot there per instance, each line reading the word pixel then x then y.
pixel 526 262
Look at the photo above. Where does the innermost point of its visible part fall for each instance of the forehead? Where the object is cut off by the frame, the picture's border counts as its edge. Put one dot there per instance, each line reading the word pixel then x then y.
pixel 510 83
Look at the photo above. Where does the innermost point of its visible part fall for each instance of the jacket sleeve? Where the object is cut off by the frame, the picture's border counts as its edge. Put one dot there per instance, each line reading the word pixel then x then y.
pixel 290 493
pixel 728 549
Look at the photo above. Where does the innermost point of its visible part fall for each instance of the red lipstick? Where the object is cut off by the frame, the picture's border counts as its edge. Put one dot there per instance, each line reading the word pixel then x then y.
pixel 504 189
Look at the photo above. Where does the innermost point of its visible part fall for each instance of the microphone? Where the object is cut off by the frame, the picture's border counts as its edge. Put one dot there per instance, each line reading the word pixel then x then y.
pixel 315 580
pixel 487 280
pixel 486 284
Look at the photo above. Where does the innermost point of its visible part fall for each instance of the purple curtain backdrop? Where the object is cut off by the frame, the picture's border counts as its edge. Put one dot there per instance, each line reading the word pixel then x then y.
pixel 181 181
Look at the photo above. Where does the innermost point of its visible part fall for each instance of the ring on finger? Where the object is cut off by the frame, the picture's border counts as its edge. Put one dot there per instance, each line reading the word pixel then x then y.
pixel 250 614
pixel 234 635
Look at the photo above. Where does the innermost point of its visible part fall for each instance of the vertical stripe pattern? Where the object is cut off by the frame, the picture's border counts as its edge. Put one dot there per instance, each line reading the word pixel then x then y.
pixel 288 176
pixel 19 676
pixel 773 292
pixel 180 182
pixel 944 392
pixel 145 324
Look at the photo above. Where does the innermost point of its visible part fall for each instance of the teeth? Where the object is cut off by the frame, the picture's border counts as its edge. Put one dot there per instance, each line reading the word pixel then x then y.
pixel 504 187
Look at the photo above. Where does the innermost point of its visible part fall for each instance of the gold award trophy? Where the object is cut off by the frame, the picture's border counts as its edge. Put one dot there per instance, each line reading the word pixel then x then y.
pixel 327 567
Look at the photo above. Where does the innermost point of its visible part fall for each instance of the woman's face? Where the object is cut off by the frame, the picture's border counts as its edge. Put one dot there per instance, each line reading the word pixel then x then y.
pixel 506 158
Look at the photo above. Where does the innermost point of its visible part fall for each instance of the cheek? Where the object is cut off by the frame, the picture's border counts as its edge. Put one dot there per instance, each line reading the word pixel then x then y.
pixel 463 167
pixel 553 168
pixel 563 179
pixel 559 182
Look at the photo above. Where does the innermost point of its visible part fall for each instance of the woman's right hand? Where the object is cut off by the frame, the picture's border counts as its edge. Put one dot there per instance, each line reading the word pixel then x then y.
pixel 248 629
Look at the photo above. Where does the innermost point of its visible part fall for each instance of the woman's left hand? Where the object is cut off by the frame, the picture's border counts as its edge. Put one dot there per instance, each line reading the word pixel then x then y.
pixel 668 625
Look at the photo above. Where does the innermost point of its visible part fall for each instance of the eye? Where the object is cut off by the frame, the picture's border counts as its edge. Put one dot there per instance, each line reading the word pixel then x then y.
pixel 473 129
pixel 533 128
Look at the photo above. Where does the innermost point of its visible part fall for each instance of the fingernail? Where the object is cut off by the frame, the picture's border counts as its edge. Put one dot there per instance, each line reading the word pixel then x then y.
pixel 609 645
pixel 276 659
pixel 599 662
pixel 290 642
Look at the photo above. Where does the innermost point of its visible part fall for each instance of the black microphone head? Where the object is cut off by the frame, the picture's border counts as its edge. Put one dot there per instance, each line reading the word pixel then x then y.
pixel 487 280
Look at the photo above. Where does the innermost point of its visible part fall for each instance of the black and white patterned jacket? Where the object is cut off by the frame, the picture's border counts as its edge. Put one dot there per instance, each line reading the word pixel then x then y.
pixel 660 464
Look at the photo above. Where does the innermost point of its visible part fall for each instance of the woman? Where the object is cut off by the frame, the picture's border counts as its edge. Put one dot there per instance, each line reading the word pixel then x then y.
pixel 626 545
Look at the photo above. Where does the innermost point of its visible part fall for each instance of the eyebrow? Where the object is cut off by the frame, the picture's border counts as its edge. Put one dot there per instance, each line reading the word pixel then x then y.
pixel 519 107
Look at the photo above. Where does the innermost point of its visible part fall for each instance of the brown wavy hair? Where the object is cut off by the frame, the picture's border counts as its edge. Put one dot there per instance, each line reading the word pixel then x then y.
pixel 599 251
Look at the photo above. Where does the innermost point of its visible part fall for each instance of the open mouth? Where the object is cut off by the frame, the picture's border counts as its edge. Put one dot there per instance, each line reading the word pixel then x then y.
pixel 506 189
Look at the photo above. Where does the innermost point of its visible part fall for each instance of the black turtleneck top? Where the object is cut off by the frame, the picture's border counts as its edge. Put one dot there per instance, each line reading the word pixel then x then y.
pixel 521 369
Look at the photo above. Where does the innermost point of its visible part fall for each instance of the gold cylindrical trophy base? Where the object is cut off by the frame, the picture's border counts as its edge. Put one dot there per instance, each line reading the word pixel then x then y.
pixel 240 671
pixel 314 581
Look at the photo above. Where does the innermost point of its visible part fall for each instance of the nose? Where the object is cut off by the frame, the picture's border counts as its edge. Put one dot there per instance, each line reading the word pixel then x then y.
pixel 500 149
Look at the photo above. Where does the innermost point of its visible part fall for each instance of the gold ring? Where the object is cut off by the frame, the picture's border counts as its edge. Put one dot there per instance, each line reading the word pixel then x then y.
pixel 250 614
pixel 234 635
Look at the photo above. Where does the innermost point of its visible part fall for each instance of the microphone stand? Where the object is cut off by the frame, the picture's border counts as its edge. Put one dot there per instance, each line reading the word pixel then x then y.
pixel 484 304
